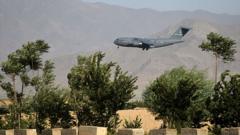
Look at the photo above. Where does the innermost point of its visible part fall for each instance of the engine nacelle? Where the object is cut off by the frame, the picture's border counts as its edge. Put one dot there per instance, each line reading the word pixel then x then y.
pixel 136 43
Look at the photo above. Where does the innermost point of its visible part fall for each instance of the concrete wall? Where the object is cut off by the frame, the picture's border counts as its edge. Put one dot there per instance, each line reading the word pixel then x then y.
pixel 25 132
pixel 92 130
pixel 54 131
pixel 194 131
pixel 68 132
pixel 6 132
pixel 128 131
pixel 163 132
pixel 230 131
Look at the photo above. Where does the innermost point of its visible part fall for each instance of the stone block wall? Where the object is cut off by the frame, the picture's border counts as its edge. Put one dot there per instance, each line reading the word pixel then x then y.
pixel 68 132
pixel 163 132
pixel 194 131
pixel 92 130
pixel 54 131
pixel 6 132
pixel 25 132
pixel 230 131
pixel 128 131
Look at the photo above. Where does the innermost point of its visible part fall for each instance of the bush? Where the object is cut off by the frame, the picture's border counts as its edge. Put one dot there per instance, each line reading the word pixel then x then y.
pixel 137 123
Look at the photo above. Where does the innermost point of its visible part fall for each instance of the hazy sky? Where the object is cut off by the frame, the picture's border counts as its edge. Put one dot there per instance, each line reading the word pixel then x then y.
pixel 216 6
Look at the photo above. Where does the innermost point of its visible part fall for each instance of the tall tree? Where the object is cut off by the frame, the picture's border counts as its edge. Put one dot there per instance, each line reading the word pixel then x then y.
pixel 178 97
pixel 12 67
pixel 101 89
pixel 18 66
pixel 221 47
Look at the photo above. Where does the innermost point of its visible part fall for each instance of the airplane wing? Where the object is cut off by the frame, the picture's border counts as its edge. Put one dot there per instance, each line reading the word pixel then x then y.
pixel 162 45
pixel 166 43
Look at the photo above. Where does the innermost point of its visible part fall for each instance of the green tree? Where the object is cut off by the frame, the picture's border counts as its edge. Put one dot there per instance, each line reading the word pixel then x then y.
pixel 19 65
pixel 221 47
pixel 50 101
pixel 100 89
pixel 224 105
pixel 178 97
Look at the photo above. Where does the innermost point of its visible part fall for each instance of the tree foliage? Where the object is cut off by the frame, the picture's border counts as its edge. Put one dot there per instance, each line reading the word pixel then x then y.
pixel 178 97
pixel 46 79
pixel 113 124
pixel 8 119
pixel 225 103
pixel 50 102
pixel 18 66
pixel 222 47
pixel 135 104
pixel 137 123
pixel 20 63
pixel 99 89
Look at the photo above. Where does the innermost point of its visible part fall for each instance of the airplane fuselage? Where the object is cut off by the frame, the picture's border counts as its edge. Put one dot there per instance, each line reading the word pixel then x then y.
pixel 145 43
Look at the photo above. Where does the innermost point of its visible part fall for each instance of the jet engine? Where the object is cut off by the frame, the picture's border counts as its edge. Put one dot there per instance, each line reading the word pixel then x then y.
pixel 137 43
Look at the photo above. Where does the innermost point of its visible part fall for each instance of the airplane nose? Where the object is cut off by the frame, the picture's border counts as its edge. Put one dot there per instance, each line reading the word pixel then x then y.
pixel 115 41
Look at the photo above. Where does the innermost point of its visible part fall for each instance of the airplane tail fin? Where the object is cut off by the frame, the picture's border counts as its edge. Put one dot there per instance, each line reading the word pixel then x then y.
pixel 180 33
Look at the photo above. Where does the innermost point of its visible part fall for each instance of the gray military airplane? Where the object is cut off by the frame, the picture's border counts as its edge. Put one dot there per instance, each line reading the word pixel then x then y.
pixel 147 43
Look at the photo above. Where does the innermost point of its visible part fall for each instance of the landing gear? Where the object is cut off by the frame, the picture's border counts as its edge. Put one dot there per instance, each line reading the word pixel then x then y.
pixel 145 48
pixel 118 46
